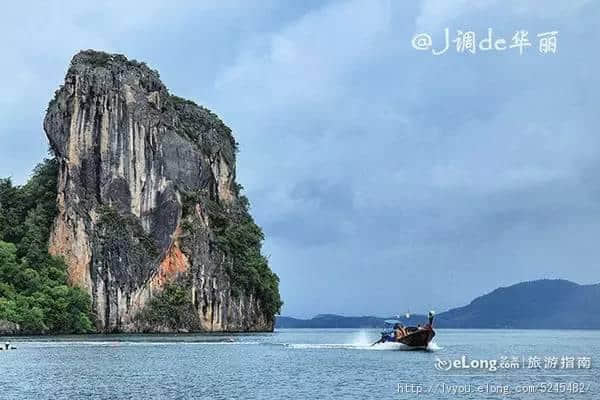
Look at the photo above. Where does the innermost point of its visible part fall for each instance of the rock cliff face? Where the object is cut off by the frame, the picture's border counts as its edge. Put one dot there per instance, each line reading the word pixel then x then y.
pixel 141 172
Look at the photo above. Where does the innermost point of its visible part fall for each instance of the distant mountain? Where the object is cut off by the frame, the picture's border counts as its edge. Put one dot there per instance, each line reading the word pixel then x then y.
pixel 541 304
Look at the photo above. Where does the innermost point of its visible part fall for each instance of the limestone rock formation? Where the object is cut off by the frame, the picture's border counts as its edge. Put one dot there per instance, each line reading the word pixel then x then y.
pixel 146 184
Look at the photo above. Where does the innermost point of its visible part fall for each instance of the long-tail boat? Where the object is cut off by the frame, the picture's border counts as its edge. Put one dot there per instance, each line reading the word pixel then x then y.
pixel 412 336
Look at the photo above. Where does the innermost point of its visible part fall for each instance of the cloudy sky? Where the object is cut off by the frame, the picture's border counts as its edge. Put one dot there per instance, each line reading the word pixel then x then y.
pixel 385 178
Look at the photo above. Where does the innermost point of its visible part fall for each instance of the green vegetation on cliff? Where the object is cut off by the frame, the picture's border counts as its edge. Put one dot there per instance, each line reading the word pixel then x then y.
pixel 125 232
pixel 171 309
pixel 33 284
pixel 202 127
pixel 237 235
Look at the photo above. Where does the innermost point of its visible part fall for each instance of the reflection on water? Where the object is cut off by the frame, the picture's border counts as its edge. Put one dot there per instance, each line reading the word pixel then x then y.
pixel 286 364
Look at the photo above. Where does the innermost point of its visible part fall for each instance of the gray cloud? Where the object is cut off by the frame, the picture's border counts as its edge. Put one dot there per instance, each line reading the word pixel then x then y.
pixel 384 178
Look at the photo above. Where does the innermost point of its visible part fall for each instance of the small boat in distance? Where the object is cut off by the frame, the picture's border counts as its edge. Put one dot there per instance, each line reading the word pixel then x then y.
pixel 412 336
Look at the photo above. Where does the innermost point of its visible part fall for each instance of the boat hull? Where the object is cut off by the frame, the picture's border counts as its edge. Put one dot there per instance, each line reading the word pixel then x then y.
pixel 420 338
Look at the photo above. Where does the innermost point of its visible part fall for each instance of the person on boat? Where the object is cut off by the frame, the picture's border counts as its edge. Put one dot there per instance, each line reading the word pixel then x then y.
pixel 403 331
pixel 399 331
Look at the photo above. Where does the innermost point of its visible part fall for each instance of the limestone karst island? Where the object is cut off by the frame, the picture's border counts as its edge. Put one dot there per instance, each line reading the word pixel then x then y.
pixel 136 223
pixel 329 200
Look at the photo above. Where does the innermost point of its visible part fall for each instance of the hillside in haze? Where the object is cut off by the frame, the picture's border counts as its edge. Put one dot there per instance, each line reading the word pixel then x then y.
pixel 541 304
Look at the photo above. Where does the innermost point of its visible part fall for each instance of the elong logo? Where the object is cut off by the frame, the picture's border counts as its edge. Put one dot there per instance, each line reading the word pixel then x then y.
pixel 463 363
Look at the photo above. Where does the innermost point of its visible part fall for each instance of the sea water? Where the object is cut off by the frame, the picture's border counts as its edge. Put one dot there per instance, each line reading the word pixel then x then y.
pixel 304 364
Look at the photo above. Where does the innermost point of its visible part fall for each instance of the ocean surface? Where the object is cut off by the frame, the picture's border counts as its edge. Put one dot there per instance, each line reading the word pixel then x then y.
pixel 304 364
